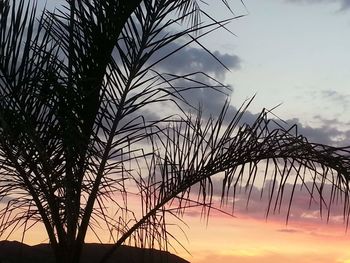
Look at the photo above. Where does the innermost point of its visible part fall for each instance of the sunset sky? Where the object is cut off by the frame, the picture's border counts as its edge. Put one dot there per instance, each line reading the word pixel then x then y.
pixel 293 52
pixel 296 53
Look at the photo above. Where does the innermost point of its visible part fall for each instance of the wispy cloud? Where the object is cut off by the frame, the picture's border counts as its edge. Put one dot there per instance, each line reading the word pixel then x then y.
pixel 273 257
pixel 344 4
pixel 289 231
pixel 262 202
pixel 342 100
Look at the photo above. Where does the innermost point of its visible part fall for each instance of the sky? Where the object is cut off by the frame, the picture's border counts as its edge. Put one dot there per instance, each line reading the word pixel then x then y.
pixel 293 53
pixel 288 52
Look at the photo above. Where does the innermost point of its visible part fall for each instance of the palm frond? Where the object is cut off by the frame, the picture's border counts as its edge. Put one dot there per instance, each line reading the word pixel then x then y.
pixel 193 150
pixel 74 136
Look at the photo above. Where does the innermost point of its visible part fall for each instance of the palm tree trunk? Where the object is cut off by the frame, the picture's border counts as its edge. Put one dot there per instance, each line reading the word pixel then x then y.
pixel 70 254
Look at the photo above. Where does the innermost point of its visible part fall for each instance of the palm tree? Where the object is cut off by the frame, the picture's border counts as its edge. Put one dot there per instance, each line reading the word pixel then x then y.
pixel 75 138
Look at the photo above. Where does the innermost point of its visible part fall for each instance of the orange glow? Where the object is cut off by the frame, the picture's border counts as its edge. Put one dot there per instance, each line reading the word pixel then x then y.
pixel 245 240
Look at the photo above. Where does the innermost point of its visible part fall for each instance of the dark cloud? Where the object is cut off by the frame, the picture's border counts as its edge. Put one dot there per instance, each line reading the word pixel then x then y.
pixel 345 4
pixel 331 134
pixel 328 133
pixel 325 135
pixel 331 122
pixel 191 59
pixel 211 103
pixel 199 68
pixel 151 115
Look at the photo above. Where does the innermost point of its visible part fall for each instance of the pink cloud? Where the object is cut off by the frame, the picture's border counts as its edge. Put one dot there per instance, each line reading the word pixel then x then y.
pixel 270 257
pixel 303 208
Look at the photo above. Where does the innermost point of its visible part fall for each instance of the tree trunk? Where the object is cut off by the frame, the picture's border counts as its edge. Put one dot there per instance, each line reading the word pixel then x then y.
pixel 70 254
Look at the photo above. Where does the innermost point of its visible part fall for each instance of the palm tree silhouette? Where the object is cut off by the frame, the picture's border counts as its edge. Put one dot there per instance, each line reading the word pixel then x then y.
pixel 74 136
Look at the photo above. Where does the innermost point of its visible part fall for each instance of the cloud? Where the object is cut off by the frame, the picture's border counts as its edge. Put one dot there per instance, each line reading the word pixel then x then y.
pixel 191 59
pixel 340 99
pixel 331 122
pixel 288 231
pixel 188 60
pixel 6 199
pixel 254 202
pixel 325 135
pixel 329 133
pixel 344 4
pixel 273 257
pixel 212 101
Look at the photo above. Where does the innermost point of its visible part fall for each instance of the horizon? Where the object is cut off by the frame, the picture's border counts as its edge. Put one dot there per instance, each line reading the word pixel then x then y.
pixel 288 52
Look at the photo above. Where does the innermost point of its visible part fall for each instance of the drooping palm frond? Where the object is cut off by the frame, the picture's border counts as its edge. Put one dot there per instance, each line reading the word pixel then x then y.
pixel 71 86
pixel 74 87
pixel 131 85
pixel 193 150
pixel 30 150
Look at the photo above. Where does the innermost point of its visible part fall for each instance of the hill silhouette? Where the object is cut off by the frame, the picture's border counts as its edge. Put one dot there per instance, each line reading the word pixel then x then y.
pixel 16 252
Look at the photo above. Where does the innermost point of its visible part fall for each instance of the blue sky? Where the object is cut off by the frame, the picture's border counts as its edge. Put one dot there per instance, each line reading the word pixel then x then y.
pixel 289 52
pixel 294 53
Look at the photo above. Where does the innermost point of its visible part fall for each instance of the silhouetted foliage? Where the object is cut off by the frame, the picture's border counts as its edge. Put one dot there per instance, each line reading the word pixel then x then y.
pixel 75 139
pixel 16 252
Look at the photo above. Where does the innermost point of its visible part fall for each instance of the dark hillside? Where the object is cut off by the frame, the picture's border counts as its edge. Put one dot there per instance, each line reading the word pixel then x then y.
pixel 16 252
